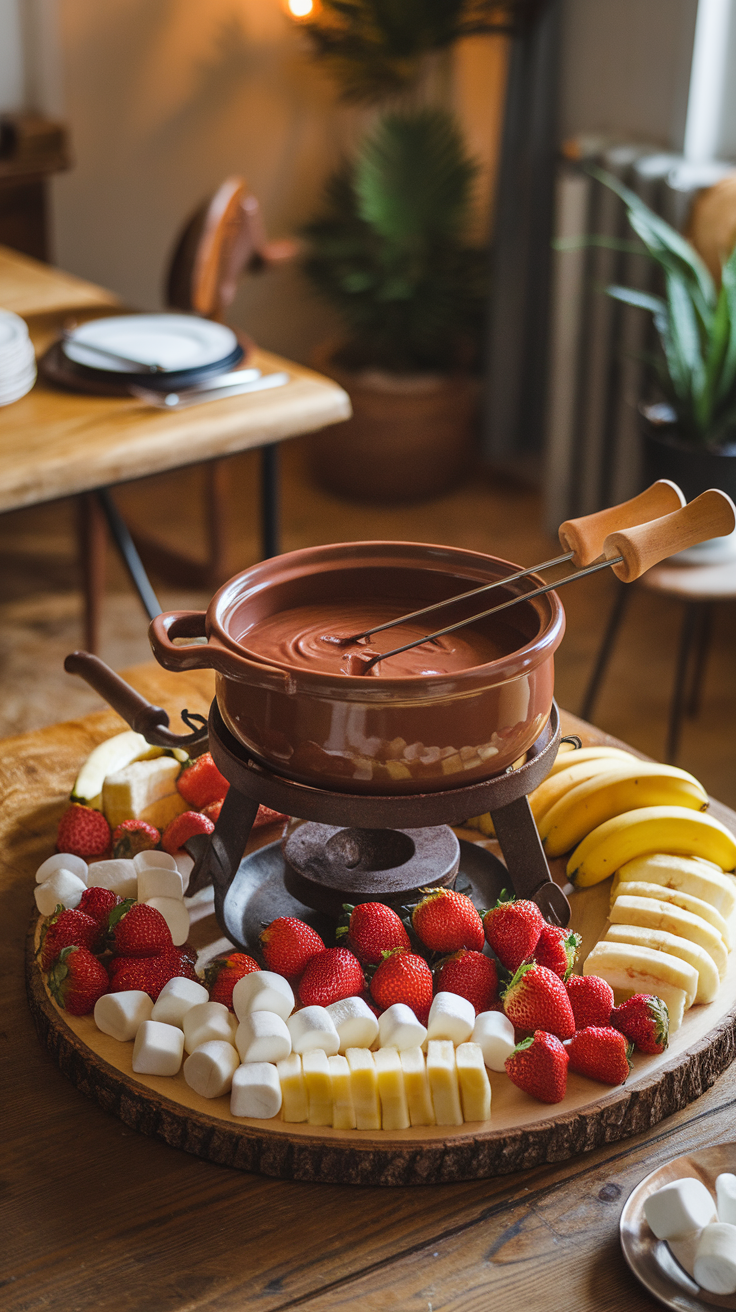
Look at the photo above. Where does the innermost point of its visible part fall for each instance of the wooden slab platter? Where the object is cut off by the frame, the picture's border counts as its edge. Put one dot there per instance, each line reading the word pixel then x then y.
pixel 521 1133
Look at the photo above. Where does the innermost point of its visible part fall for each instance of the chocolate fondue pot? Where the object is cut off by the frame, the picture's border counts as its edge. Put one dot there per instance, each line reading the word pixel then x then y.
pixel 383 732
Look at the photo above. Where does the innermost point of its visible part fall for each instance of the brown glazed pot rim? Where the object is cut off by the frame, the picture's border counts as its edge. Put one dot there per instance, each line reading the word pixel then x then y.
pixel 473 565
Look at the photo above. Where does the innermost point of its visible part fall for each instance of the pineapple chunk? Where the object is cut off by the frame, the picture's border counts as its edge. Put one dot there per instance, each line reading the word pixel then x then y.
pixel 342 1094
pixel 416 1084
pixel 294 1101
pixel 319 1086
pixel 130 792
pixel 394 1109
pixel 443 1081
pixel 364 1083
pixel 475 1088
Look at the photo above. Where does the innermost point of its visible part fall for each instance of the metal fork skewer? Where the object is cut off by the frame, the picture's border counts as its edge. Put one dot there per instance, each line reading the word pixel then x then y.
pixel 513 601
pixel 460 596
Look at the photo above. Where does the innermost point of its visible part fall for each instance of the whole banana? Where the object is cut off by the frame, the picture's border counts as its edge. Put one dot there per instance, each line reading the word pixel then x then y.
pixel 674 829
pixel 626 787
pixel 555 785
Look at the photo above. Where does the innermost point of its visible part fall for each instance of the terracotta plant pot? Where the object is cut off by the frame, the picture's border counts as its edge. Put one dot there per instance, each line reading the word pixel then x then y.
pixel 410 436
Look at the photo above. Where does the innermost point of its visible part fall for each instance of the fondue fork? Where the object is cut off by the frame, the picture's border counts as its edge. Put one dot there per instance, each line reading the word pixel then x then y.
pixel 629 551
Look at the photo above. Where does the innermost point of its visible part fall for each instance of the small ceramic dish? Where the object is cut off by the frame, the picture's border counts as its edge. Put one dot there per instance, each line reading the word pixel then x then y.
pixel 665 1269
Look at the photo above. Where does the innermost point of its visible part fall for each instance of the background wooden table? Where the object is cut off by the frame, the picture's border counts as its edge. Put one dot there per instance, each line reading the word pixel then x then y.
pixel 94 1216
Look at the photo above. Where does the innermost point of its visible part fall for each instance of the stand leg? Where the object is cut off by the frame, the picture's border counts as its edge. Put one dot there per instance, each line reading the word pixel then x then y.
pixel 270 501
pixel 604 651
pixel 705 630
pixel 526 862
pixel 216 859
pixel 92 538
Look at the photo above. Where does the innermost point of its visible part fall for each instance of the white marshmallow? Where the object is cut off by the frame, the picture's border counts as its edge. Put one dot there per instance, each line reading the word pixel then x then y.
pixel 154 881
pixel 210 1068
pixel 355 1023
pixel 158 1049
pixel 62 861
pixel 313 1027
pixel 121 1014
pixel 118 875
pixel 176 916
pixel 60 888
pixel 176 999
pixel 451 1017
pixel 153 860
pixel 262 1036
pixel 714 1267
pixel 726 1197
pixel 399 1028
pixel 262 990
pixel 185 866
pixel 494 1034
pixel 207 1021
pixel 256 1091
pixel 679 1208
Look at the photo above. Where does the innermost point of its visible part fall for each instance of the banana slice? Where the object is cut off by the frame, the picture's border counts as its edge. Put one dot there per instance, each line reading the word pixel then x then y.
pixel 629 969
pixel 695 905
pixel 653 914
pixel 661 941
pixel 624 788
pixel 686 874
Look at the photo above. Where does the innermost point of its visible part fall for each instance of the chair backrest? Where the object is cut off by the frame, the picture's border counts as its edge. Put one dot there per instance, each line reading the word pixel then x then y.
pixel 219 241
pixel 712 224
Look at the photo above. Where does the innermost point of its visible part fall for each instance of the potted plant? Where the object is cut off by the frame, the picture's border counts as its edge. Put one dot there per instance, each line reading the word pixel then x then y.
pixel 390 252
pixel 690 432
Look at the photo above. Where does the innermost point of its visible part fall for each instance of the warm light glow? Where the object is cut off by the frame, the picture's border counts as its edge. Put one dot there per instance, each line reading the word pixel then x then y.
pixel 300 8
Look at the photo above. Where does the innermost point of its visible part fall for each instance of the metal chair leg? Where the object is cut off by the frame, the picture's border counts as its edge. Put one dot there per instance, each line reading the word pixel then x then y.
pixel 705 630
pixel 270 501
pixel 677 707
pixel 125 545
pixel 604 651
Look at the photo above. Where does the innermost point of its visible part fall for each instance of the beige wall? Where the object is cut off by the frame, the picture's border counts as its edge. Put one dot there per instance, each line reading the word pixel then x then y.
pixel 165 99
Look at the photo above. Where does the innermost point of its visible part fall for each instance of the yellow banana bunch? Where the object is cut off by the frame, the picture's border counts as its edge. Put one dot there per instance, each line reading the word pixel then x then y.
pixel 574 771
pixel 627 786
pixel 663 829
pixel 565 759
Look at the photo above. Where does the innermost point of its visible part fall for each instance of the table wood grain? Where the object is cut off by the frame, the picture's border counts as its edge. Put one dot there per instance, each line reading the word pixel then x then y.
pixel 94 1216
pixel 58 443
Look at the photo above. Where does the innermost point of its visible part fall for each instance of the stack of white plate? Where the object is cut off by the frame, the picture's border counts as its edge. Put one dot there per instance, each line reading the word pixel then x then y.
pixel 17 358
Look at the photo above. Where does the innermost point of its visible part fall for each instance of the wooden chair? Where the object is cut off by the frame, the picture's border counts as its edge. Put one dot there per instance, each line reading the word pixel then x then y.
pixel 223 239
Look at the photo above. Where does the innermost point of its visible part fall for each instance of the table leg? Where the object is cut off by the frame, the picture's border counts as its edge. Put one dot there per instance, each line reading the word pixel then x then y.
pixel 92 540
pixel 126 546
pixel 270 501
pixel 677 708
pixel 216 476
pixel 605 650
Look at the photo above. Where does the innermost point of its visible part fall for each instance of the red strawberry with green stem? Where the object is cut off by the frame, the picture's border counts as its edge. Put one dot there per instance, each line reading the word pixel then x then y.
pixel 645 1020
pixel 184 826
pixel 600 1052
pixel 557 949
pixel 76 980
pixel 288 944
pixel 150 973
pixel 446 921
pixel 222 974
pixel 538 1065
pixel 373 929
pixel 134 836
pixel 512 930
pixel 403 977
pixel 536 999
pixel 65 929
pixel 139 931
pixel 330 976
pixel 472 975
pixel 83 832
pixel 591 999
pixel 201 783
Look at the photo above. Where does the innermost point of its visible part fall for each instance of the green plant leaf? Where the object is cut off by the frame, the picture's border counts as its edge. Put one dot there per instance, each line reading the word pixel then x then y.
pixel 640 300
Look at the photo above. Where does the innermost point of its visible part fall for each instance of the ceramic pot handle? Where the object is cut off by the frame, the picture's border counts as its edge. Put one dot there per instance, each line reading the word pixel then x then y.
pixel 711 515
pixel 205 655
pixel 585 536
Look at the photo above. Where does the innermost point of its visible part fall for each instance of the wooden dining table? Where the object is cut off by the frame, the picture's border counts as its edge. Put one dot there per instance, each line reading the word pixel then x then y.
pixel 95 1216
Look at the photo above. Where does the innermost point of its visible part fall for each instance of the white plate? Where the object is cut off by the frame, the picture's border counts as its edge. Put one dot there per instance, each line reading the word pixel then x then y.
pixel 175 341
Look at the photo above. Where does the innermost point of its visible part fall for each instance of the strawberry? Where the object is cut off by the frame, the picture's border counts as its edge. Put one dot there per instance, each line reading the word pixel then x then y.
pixel 471 974
pixel 446 921
pixel 133 836
pixel 83 832
pixel 330 976
pixel 213 810
pixel 645 1019
pixel 183 827
pixel 265 816
pixel 591 999
pixel 557 949
pixel 539 1066
pixel 140 931
pixel 403 977
pixel 372 930
pixel 76 980
pixel 288 944
pixel 222 974
pixel 201 783
pixel 150 973
pixel 600 1052
pixel 66 929
pixel 98 903
pixel 512 930
pixel 536 999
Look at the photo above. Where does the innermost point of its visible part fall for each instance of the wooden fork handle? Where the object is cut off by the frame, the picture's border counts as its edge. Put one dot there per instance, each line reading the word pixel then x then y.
pixel 711 515
pixel 585 536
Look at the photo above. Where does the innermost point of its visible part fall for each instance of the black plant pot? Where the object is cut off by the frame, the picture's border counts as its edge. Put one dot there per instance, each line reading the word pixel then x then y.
pixel 694 469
